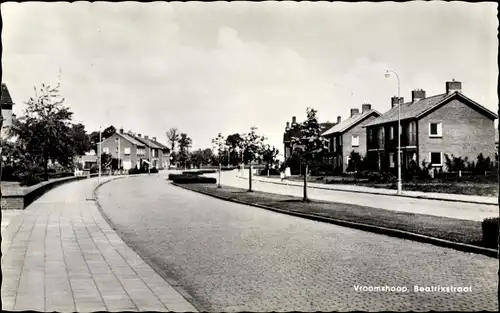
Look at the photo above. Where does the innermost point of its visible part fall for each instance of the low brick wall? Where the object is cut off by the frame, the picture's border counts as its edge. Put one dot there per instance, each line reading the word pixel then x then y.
pixel 20 198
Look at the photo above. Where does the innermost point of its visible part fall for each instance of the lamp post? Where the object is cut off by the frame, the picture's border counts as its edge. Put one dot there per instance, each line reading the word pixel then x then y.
pixel 387 74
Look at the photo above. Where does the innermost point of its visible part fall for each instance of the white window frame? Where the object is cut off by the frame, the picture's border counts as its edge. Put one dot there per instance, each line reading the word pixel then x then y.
pixel 439 130
pixel 441 159
pixel 392 161
pixel 357 140
pixel 126 151
pixel 105 150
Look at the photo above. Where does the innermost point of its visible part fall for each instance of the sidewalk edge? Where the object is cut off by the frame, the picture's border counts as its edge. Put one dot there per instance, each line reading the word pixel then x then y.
pixel 380 194
pixel 370 228
pixel 171 281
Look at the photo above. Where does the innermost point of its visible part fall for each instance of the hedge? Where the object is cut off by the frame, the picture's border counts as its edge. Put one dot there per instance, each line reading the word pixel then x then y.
pixel 490 232
pixel 194 180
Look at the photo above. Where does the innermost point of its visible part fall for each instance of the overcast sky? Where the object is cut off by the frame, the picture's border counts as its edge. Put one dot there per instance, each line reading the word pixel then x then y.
pixel 223 67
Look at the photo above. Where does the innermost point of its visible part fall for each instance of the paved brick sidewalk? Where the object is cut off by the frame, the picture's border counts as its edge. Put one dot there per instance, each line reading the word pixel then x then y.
pixel 382 191
pixel 61 255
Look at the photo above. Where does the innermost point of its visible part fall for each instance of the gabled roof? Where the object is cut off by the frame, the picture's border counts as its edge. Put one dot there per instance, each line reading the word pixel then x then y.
pixel 421 107
pixel 149 143
pixel 294 131
pixel 350 122
pixel 128 138
pixel 162 146
pixel 6 99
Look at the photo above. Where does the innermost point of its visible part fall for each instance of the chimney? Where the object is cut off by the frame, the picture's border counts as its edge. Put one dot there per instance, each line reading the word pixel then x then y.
pixel 453 86
pixel 287 126
pixel 394 101
pixel 154 138
pixel 354 112
pixel 366 107
pixel 121 130
pixel 146 137
pixel 417 94
pixel 339 119
pixel 294 120
pixel 139 135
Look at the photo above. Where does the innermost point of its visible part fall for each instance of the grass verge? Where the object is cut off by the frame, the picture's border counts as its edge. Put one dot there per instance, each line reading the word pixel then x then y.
pixel 485 189
pixel 454 230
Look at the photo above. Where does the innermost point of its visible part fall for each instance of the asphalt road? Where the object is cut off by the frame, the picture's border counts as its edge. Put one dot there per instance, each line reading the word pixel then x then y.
pixel 459 210
pixel 232 257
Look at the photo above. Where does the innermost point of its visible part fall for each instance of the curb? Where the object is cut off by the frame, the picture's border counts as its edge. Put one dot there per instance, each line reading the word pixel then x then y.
pixel 381 194
pixel 370 228
pixel 172 282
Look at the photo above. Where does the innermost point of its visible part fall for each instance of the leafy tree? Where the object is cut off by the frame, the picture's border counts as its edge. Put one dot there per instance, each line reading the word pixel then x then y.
pixel 308 144
pixel 252 147
pixel 355 162
pixel 81 141
pixel 93 137
pixel 184 144
pixel 219 144
pixel 234 142
pixel 44 129
pixel 269 156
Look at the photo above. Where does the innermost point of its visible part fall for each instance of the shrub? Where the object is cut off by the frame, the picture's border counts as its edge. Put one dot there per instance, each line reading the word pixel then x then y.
pixel 272 171
pixel 186 179
pixel 375 177
pixel 30 179
pixel 490 232
pixel 154 170
pixel 133 171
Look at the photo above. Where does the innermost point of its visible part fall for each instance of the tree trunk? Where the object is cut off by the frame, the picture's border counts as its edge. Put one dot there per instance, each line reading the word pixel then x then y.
pixel 306 199
pixel 250 178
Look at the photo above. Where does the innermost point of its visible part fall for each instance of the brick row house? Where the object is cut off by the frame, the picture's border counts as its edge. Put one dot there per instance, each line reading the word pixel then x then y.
pixel 431 127
pixel 348 136
pixel 136 150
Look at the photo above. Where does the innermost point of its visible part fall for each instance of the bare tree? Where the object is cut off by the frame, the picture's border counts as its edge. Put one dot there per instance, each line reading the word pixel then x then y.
pixel 173 137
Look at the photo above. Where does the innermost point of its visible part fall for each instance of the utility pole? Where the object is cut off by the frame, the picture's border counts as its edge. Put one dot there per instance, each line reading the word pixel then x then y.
pixel 149 166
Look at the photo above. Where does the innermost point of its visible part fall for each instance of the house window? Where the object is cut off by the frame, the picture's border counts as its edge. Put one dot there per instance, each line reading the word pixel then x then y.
pixel 140 151
pixel 435 129
pixel 381 137
pixel 127 151
pixel 370 135
pixel 355 141
pixel 392 132
pixel 334 144
pixel 105 150
pixel 412 134
pixel 340 140
pixel 392 161
pixel 436 158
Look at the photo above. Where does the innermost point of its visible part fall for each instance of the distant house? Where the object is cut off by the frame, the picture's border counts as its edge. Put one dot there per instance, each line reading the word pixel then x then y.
pixel 431 127
pixel 154 152
pixel 6 103
pixel 130 152
pixel 347 136
pixel 164 154
pixel 87 161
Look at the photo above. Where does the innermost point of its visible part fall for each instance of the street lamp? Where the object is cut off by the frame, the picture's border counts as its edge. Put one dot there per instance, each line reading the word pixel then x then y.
pixel 387 74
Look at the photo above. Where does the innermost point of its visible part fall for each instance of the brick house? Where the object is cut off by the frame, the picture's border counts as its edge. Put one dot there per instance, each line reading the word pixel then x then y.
pixel 347 136
pixel 6 103
pixel 152 148
pixel 131 150
pixel 164 154
pixel 431 127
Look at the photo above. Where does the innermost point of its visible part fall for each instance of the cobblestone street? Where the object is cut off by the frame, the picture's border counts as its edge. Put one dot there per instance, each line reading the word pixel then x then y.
pixel 231 257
